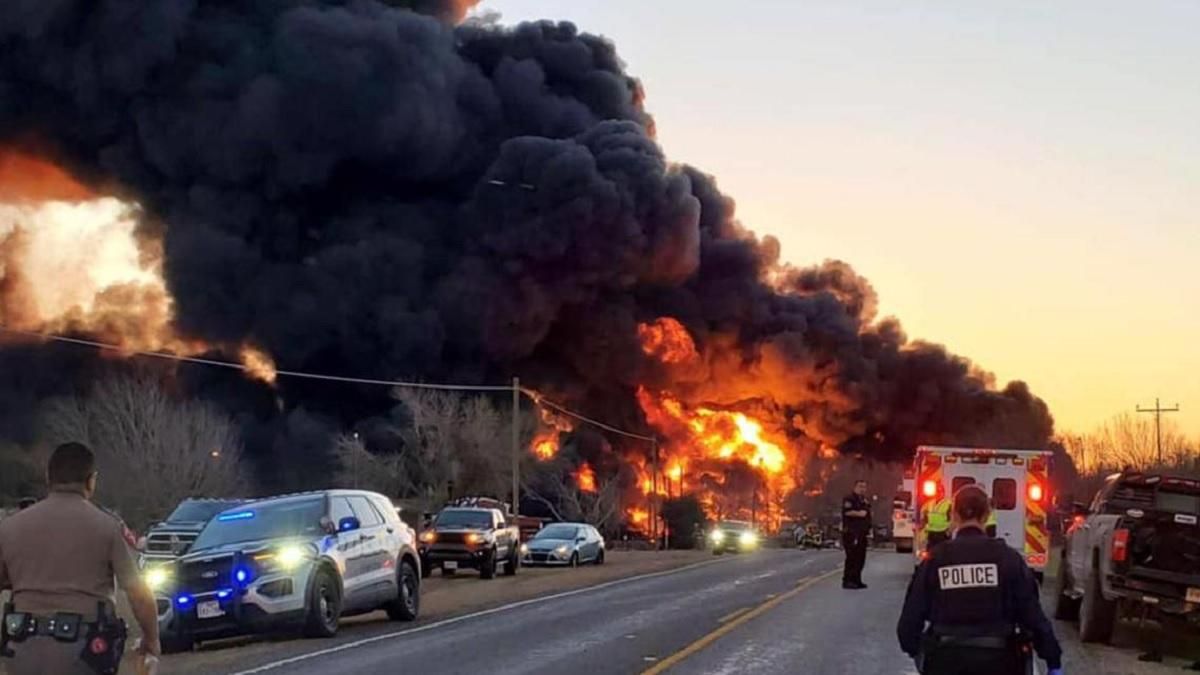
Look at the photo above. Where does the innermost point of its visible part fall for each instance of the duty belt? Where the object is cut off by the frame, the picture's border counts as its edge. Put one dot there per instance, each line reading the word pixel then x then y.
pixel 981 642
pixel 63 626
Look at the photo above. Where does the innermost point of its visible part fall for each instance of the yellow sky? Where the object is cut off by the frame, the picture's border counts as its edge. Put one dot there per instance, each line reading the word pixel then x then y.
pixel 1018 180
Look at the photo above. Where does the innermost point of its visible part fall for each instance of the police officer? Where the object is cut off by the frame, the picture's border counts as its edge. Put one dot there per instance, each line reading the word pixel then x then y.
pixel 937 522
pixel 856 523
pixel 59 557
pixel 972 607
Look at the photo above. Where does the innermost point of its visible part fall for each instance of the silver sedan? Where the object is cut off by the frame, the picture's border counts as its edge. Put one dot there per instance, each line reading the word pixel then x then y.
pixel 568 544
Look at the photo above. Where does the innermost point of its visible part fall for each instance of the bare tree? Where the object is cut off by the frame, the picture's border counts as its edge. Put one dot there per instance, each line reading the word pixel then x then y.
pixel 152 448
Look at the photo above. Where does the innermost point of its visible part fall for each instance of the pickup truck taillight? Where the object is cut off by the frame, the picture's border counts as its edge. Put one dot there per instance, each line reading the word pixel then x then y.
pixel 1120 545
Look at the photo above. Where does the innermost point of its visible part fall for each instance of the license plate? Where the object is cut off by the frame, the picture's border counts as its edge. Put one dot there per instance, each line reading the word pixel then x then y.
pixel 209 610
pixel 1193 595
pixel 449 565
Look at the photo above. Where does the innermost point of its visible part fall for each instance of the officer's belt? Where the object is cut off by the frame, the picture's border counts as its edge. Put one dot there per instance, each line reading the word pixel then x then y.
pixel 981 642
pixel 52 626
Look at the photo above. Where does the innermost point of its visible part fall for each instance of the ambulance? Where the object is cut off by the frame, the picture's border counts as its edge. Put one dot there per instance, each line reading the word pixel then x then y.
pixel 902 514
pixel 1017 481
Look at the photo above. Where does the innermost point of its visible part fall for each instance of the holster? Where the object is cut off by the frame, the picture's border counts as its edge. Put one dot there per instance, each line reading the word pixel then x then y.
pixel 104 643
pixel 13 628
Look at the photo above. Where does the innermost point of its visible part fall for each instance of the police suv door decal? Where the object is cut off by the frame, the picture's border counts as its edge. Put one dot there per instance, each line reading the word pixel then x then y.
pixel 980 575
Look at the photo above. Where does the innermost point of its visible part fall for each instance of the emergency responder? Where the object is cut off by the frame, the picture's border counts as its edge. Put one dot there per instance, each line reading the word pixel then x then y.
pixel 59 558
pixel 937 522
pixel 972 607
pixel 856 523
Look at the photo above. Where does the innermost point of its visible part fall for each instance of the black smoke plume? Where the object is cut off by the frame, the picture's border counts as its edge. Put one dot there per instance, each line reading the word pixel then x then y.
pixel 366 188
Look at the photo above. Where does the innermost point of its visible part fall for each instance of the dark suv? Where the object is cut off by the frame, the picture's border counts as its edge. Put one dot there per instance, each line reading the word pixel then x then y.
pixel 295 561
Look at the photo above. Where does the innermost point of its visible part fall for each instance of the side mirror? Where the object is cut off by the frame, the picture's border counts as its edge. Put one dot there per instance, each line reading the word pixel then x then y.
pixel 580 540
pixel 348 524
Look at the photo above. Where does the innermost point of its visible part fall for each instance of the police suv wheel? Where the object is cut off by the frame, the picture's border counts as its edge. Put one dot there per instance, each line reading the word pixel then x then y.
pixel 408 604
pixel 324 609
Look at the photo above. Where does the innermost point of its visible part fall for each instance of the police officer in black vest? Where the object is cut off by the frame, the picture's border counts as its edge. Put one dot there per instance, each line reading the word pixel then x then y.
pixel 972 607
pixel 856 524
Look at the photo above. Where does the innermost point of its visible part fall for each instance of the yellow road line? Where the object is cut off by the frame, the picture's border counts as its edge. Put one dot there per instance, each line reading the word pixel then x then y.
pixel 732 623
pixel 734 614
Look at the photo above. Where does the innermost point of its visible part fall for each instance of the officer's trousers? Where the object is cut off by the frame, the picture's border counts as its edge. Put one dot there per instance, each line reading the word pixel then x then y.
pixel 855 544
pixel 974 661
pixel 42 655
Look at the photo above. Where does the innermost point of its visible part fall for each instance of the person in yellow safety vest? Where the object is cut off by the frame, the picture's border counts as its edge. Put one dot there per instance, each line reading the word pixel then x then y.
pixel 937 522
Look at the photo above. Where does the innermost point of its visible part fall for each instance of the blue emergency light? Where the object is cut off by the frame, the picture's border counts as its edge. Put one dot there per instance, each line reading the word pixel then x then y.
pixel 240 515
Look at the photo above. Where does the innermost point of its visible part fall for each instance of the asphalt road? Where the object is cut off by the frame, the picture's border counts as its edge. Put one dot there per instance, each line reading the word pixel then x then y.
pixel 621 627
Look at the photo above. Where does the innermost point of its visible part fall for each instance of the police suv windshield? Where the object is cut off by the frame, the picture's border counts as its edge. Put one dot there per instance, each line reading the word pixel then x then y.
pixel 465 518
pixel 271 520
pixel 558 532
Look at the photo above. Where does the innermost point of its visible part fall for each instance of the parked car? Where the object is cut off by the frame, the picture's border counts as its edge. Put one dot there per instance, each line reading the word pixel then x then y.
pixel 170 538
pixel 737 536
pixel 295 561
pixel 471 537
pixel 569 544
pixel 1134 551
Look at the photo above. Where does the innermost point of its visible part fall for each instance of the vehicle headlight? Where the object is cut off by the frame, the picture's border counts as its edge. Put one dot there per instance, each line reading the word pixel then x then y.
pixel 475 538
pixel 157 577
pixel 285 558
pixel 524 549
pixel 717 536
pixel 562 549
pixel 747 539
pixel 428 536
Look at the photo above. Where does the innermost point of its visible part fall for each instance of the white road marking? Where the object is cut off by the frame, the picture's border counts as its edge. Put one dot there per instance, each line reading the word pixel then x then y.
pixel 465 617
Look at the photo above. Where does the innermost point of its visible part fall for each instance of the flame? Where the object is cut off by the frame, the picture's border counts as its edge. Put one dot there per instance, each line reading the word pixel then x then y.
pixel 258 364
pixel 668 341
pixel 585 478
pixel 705 444
pixel 638 516
pixel 73 261
pixel 545 447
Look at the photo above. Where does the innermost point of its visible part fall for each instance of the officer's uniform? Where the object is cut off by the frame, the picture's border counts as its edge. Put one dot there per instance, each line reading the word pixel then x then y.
pixel 854 537
pixel 937 522
pixel 61 555
pixel 966 603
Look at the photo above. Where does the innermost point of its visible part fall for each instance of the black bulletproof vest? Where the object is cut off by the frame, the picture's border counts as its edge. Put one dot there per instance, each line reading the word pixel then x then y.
pixel 968 578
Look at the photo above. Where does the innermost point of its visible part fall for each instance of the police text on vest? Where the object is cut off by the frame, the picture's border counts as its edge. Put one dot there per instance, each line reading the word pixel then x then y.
pixel 982 575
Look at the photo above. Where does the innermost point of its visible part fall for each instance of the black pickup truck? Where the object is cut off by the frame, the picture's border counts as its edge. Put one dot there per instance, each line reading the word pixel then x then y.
pixel 1134 551
pixel 471 537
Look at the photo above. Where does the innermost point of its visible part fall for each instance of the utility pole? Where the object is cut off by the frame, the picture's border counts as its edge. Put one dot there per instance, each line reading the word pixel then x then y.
pixel 516 446
pixel 654 509
pixel 1158 411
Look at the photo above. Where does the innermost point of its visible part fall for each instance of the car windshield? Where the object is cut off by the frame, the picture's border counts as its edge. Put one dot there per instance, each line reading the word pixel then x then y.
pixel 733 525
pixel 275 520
pixel 558 532
pixel 464 518
pixel 198 511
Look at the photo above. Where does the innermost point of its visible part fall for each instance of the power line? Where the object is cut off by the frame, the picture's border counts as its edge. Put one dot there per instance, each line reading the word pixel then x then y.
pixel 244 368
pixel 540 400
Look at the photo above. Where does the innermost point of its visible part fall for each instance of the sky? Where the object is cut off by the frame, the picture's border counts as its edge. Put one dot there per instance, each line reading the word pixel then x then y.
pixel 1018 180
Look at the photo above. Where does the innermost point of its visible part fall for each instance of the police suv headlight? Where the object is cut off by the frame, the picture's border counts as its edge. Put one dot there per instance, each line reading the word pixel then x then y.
pixel 717 536
pixel 157 577
pixel 747 539
pixel 285 558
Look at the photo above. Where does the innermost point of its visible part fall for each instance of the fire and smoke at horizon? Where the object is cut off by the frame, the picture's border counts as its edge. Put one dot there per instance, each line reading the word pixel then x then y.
pixel 369 189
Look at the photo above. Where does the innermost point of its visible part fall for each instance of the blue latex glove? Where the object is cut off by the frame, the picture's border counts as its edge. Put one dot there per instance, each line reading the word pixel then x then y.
pixel 1055 671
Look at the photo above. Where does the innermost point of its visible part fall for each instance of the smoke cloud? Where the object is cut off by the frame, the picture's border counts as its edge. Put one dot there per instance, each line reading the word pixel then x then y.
pixel 370 188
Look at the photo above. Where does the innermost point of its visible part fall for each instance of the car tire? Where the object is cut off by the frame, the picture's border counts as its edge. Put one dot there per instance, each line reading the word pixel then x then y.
pixel 513 564
pixel 323 610
pixel 600 557
pixel 574 562
pixel 487 566
pixel 408 604
pixel 1066 608
pixel 1097 616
